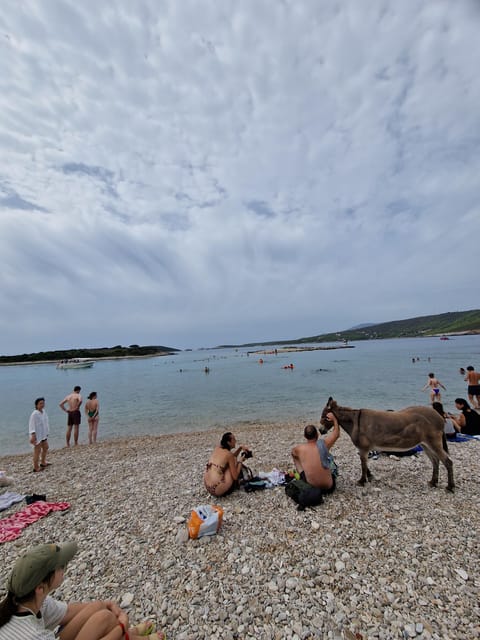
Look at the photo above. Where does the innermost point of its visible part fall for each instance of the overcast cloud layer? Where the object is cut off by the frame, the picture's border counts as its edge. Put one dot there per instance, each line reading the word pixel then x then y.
pixel 196 173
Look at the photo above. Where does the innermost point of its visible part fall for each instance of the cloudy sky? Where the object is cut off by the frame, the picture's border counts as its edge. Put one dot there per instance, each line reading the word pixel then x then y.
pixel 194 173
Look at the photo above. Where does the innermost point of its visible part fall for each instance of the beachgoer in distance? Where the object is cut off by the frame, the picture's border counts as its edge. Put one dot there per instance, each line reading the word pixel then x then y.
pixel 473 379
pixel 93 417
pixel 38 428
pixel 451 426
pixel 223 468
pixel 307 459
pixel 434 384
pixel 74 401
pixel 469 420
pixel 29 612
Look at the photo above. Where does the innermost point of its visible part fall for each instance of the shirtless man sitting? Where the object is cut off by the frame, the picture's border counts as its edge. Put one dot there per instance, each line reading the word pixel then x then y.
pixel 74 401
pixel 307 456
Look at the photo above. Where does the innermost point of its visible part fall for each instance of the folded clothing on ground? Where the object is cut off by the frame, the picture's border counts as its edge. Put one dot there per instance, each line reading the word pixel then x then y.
pixel 8 498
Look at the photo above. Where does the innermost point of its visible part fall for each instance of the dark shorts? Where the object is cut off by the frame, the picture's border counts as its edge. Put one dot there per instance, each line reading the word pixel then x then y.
pixel 473 390
pixel 324 491
pixel 74 417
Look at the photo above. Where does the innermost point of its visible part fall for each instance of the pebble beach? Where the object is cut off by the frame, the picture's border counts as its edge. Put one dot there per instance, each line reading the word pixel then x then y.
pixel 393 559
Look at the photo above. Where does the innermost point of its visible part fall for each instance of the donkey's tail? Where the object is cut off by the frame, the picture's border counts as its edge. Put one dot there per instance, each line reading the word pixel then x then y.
pixel 444 442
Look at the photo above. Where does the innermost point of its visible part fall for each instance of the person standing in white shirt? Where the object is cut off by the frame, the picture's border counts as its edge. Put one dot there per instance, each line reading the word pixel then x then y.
pixel 38 429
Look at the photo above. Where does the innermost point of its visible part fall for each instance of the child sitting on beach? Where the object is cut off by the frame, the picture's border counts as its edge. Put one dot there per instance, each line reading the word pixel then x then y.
pixel 29 612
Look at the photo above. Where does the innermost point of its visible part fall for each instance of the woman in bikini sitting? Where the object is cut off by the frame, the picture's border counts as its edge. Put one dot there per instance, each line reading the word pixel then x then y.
pixel 223 468
pixel 91 411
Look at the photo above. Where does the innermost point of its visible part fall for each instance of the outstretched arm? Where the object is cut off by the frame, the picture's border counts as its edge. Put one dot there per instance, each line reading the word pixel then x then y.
pixel 334 434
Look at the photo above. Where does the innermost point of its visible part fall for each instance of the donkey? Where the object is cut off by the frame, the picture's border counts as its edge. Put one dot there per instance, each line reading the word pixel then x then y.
pixel 394 431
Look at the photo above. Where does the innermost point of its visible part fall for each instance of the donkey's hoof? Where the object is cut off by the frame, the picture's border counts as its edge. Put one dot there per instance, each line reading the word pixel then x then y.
pixel 451 488
pixel 433 484
pixel 361 482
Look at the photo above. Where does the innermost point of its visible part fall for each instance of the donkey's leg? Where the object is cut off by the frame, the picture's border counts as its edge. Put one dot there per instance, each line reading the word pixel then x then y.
pixel 366 474
pixel 441 455
pixel 448 464
pixel 434 460
pixel 449 467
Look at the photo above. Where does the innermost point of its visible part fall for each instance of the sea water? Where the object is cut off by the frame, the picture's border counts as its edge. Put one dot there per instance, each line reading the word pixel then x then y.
pixel 172 394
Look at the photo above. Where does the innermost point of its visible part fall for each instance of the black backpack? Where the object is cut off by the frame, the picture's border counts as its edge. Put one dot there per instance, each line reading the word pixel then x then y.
pixel 304 494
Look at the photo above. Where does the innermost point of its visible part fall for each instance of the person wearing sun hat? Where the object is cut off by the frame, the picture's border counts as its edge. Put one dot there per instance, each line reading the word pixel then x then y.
pixel 28 612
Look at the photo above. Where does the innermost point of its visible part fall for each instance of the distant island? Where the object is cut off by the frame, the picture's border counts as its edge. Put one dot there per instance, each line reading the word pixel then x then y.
pixel 443 324
pixel 133 351
pixel 454 323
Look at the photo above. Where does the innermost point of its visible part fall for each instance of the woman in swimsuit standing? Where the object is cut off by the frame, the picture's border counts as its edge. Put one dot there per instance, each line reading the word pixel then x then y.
pixel 434 384
pixel 91 411
pixel 223 468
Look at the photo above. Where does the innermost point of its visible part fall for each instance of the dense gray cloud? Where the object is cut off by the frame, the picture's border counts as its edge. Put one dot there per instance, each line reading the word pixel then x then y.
pixel 195 174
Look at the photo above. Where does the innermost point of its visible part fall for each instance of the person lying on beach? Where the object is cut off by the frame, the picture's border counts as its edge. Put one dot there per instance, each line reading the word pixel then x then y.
pixel 223 468
pixel 307 459
pixel 30 613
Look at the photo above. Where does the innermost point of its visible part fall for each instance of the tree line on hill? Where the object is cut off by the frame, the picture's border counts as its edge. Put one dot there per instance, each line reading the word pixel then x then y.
pixel 454 322
pixel 102 352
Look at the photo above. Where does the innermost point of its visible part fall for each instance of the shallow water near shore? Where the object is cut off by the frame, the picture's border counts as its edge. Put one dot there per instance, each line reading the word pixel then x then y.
pixel 173 394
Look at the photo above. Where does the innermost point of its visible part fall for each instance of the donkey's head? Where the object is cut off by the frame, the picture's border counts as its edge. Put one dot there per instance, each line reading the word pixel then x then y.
pixel 330 407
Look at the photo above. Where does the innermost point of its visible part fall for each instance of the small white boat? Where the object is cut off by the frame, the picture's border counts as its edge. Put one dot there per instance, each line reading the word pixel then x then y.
pixel 76 363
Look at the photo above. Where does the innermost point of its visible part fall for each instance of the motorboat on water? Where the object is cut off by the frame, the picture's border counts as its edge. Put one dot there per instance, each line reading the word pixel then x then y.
pixel 76 363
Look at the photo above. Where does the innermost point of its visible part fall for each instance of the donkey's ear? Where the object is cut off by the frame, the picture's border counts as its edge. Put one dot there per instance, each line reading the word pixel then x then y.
pixel 329 400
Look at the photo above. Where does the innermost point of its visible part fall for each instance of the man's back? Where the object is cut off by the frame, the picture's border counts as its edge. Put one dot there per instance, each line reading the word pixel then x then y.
pixel 74 400
pixel 309 458
pixel 473 377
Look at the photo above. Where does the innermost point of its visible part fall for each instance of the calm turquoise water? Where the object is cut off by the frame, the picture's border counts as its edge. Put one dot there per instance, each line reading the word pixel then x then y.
pixel 153 396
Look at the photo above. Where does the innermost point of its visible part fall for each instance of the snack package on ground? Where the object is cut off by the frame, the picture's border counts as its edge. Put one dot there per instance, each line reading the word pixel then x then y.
pixel 205 520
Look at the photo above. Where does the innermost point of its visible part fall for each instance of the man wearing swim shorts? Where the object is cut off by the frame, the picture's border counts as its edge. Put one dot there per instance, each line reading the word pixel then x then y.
pixel 473 379
pixel 74 401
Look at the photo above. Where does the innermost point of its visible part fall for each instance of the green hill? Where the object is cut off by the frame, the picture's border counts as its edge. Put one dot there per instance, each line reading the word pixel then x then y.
pixel 454 322
pixel 103 352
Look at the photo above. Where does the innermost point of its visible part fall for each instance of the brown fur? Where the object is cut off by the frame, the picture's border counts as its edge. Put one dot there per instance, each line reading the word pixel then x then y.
pixel 394 431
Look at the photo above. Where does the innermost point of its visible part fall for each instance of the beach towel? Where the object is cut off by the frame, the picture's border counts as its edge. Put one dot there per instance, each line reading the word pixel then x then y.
pixel 463 437
pixel 8 498
pixel 12 527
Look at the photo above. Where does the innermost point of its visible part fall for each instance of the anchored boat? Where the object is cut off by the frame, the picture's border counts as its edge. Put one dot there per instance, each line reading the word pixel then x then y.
pixel 76 363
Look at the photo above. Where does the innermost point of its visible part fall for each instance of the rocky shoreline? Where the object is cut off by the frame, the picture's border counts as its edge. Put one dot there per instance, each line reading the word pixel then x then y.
pixel 395 559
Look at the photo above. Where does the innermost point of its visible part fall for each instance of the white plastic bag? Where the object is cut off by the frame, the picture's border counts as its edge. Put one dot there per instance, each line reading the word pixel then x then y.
pixel 205 520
